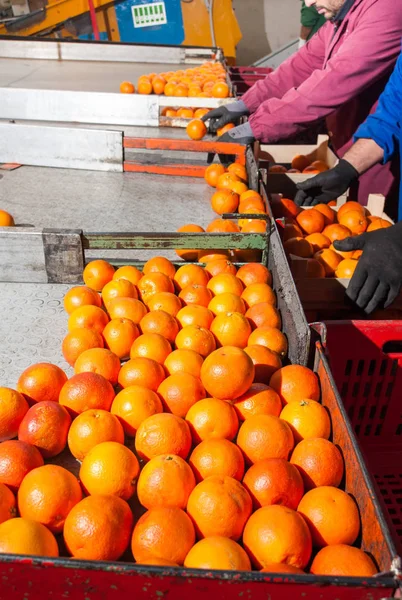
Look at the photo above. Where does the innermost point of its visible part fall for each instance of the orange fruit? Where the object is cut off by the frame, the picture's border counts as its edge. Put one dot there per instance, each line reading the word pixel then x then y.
pixel 157 562
pixel 170 89
pixel 79 340
pixel 165 533
pixel 133 405
pixel 217 552
pixel 224 129
pixel 283 207
pixel 327 212
pixel 88 317
pixel 231 329
pixel 346 268
pixel 159 264
pixel 165 481
pixel 23 536
pixel 119 336
pixel 277 534
pixel 122 288
pixel 46 426
pixel 97 274
pixel 265 436
pixel 319 165
pixel 219 506
pixel 195 315
pixel 6 220
pixel 274 481
pixel 100 361
pixel 8 504
pixel 182 92
pixel 200 112
pixel 127 308
pixel 222 226
pixel 151 345
pixel 343 254
pixel 158 85
pixel 250 211
pixel 310 221
pixel 141 371
pixel 329 260
pixel 318 241
pixel 184 361
pixel 281 568
pixel 128 272
pixel 350 206
pixel 336 232
pixel 179 392
pixel 260 399
pixel 227 303
pixel 277 169
pixel 311 269
pixel 187 254
pixel 163 434
pixel 272 339
pixel 307 419
pixel 343 560
pixel 165 301
pixel 220 90
pixel 215 267
pixel 98 528
pixel 355 221
pixel 198 339
pixel 110 468
pixel 319 462
pixel 264 314
pixel 224 201
pixel 227 373
pixel 16 460
pixel 225 283
pixel 257 293
pixel 126 87
pixel 151 284
pixel 331 515
pixel 196 129
pixel 196 294
pixel 266 362
pixel 254 202
pixel 212 173
pixel 207 256
pixel 92 428
pixel 13 408
pixel 211 418
pixel 356 255
pixel 250 194
pixel 190 275
pixel 86 391
pixel 80 295
pixel 239 170
pixel 161 322
pixel 300 162
pixel 217 457
pixel 47 494
pixel 144 87
pixel 298 246
pixel 254 273
pixel 294 383
pixel 226 180
pixel 379 224
pixel 41 381
pixel 238 187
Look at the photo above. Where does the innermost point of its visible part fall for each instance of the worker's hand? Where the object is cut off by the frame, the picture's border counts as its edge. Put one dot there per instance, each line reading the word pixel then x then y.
pixel 326 186
pixel 242 134
pixel 378 276
pixel 230 113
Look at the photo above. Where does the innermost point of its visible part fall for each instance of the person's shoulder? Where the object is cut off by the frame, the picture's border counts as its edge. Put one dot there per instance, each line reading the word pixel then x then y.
pixel 380 7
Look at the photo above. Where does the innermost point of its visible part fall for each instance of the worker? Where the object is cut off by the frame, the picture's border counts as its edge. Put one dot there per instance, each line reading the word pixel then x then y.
pixel 339 74
pixel 311 21
pixel 377 279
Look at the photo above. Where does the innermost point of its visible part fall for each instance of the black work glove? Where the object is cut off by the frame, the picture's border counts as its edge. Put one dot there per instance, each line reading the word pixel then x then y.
pixel 326 186
pixel 242 134
pixel 230 113
pixel 378 276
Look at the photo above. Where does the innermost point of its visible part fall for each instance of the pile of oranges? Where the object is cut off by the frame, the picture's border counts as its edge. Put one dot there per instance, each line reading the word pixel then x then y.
pixel 301 164
pixel 206 81
pixel 310 234
pixel 197 447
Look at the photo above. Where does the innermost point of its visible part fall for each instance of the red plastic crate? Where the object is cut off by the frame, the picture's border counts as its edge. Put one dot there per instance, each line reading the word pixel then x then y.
pixel 366 361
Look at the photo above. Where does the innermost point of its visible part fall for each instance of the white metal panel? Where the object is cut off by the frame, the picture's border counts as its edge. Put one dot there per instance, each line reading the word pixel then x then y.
pixel 79 107
pixel 63 147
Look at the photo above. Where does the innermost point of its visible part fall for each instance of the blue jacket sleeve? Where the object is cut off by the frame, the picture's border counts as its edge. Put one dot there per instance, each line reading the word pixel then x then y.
pixel 384 126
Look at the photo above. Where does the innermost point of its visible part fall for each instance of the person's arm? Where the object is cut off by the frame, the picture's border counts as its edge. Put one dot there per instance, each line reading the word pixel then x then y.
pixel 304 34
pixel 365 56
pixel 364 154
pixel 308 19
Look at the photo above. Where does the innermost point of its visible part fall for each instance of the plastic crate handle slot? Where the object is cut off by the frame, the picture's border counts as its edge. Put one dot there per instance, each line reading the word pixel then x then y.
pixel 393 347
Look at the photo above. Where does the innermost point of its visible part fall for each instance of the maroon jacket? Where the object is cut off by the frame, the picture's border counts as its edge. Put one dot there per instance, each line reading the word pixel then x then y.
pixel 339 74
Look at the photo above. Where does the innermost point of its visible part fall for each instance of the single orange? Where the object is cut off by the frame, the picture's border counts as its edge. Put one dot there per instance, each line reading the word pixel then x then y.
pixel 225 283
pixel 133 405
pixel 179 392
pixel 355 221
pixel 187 254
pixel 343 254
pixel 227 373
pixel 257 293
pixel 350 206
pixel 336 232
pixel 329 214
pixel 151 284
pixel 220 90
pixel 80 295
pixel 217 457
pixel 307 419
pixel 265 436
pixel 13 408
pixel 141 371
pixel 274 481
pixel 199 339
pixel 190 275
pixel 184 361
pixel 79 340
pixel 92 428
pixel 195 315
pixel 159 264
pixel 294 383
pixel 213 172
pixel 89 317
pixel 379 224
pixel 239 170
pixel 161 322
pixel 196 129
pixel 260 399
pixel 266 362
pixel 151 345
pixel 227 303
pixel 346 268
pixel 16 460
pixel 166 301
pixel 211 418
pixel 24 536
pixel 217 552
pixel 144 87
pixel 207 256
pixel 343 560
pixel 8 504
pixel 264 314
pixel 100 361
pixel 319 462
pixel 163 434
pixel 46 426
pixel 6 220
pixel 119 336
pixel 97 274
pixel 300 162
pixel 222 226
pixel 128 272
pixel 272 339
pixel 291 230
pixel 127 308
pixel 283 207
pixel 298 246
pixel 165 481
pixel 216 267
pixel 318 241
pixel 122 288
pixel 224 201
pixel 86 391
pixel 41 381
pixel 329 259
pixel 200 112
pixel 225 129
pixel 196 294
pixel 310 221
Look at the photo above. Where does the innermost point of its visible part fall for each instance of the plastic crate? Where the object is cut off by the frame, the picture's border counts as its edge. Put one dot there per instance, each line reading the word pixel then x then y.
pixel 366 361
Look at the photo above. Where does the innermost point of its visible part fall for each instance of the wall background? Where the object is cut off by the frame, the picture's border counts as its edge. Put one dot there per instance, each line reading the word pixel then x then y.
pixel 266 25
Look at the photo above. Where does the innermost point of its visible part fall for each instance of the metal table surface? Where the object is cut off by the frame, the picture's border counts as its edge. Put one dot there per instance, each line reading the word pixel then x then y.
pixel 89 76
